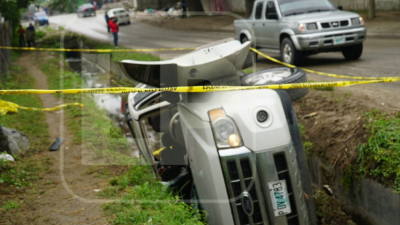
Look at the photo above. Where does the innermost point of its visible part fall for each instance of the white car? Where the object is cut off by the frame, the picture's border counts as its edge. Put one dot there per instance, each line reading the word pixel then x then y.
pixel 121 14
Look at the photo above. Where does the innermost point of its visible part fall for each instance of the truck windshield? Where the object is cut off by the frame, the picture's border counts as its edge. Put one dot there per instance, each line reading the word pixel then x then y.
pixel 296 7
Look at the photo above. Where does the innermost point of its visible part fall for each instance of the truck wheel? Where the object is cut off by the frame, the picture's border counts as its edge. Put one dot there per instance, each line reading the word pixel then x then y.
pixel 353 52
pixel 281 75
pixel 251 57
pixel 300 156
pixel 289 53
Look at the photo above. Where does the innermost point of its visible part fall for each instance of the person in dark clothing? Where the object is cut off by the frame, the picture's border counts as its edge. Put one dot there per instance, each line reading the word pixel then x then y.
pixel 30 35
pixel 21 34
pixel 107 20
pixel 113 24
pixel 184 9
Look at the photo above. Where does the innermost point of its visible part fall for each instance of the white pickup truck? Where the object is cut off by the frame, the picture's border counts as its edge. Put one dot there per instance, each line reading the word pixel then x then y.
pixel 297 28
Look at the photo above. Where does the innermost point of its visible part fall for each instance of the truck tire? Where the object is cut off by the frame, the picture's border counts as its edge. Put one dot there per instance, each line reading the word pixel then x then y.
pixel 353 52
pixel 289 53
pixel 290 115
pixel 251 57
pixel 281 75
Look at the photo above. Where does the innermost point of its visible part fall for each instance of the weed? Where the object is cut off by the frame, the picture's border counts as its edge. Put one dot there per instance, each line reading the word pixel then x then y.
pixel 347 94
pixel 308 147
pixel 379 158
pixel 11 205
pixel 321 88
pixel 39 34
pixel 302 129
pixel 248 71
pixel 329 211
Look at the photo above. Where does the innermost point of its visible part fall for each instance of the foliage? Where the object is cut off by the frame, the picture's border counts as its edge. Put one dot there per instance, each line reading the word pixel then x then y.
pixel 10 10
pixel 329 211
pixel 39 34
pixel 308 147
pixel 321 88
pixel 380 157
pixel 149 202
pixel 68 6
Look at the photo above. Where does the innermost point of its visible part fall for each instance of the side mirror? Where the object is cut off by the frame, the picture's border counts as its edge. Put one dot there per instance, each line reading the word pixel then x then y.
pixel 272 16
pixel 340 7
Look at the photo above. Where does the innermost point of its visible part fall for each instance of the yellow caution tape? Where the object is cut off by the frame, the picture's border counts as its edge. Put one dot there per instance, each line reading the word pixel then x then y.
pixel 9 107
pixel 95 50
pixel 322 73
pixel 192 89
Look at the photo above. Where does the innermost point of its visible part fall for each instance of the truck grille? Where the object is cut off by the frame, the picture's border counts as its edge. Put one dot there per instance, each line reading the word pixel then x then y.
pixel 241 176
pixel 333 24
pixel 283 174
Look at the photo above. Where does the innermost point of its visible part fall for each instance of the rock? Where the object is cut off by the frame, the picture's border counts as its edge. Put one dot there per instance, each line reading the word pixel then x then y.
pixel 13 141
pixel 6 157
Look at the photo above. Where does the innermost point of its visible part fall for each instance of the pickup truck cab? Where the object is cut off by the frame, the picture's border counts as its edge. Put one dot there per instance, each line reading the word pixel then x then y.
pixel 297 28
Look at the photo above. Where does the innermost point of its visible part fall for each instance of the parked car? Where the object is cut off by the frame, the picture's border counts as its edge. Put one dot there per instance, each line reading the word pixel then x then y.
pixel 121 14
pixel 296 28
pixel 86 10
pixel 41 18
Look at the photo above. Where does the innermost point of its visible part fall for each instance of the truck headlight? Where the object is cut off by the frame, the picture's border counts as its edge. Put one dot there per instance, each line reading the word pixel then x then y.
pixel 302 28
pixel 311 26
pixel 225 131
pixel 357 21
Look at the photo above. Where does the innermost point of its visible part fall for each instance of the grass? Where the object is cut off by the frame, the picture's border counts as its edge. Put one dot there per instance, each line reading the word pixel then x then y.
pixel 321 88
pixel 380 157
pixel 37 131
pixel 138 182
pixel 18 178
pixel 39 34
pixel 90 122
pixel 119 56
pixel 329 211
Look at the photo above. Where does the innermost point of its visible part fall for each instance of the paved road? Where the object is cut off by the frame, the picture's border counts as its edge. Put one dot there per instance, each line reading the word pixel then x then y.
pixel 138 35
pixel 381 56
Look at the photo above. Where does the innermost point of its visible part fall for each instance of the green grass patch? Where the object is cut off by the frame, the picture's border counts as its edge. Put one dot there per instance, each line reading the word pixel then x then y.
pixel 39 34
pixel 321 88
pixel 380 157
pixel 138 182
pixel 19 177
pixel 31 123
pixel 248 71
pixel 329 211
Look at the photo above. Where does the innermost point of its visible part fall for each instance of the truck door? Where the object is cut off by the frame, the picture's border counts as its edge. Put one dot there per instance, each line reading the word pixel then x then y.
pixel 258 24
pixel 270 30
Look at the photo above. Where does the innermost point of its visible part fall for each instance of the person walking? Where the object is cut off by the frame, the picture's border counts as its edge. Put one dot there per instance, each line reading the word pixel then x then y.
pixel 21 34
pixel 113 24
pixel 30 35
pixel 107 21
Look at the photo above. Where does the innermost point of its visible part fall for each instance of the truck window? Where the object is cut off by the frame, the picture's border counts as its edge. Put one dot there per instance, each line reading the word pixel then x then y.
pixel 259 8
pixel 270 12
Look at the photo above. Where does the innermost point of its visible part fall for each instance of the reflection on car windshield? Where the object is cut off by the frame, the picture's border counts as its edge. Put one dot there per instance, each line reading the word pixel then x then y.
pixel 296 7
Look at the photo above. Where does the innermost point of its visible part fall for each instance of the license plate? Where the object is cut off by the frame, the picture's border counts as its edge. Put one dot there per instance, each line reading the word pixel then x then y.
pixel 338 40
pixel 279 197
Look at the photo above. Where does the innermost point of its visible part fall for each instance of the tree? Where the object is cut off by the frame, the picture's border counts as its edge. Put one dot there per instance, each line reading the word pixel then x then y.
pixel 10 10
pixel 68 6
pixel 371 9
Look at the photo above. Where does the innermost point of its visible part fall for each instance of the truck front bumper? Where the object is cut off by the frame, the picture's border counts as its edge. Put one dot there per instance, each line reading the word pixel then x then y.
pixel 329 40
pixel 250 172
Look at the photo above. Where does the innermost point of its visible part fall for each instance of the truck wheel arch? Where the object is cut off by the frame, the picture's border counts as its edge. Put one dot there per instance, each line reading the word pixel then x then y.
pixel 289 34
pixel 245 33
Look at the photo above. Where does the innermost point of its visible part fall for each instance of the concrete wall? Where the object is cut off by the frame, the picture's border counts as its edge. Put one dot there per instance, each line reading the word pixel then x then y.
pixel 363 4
